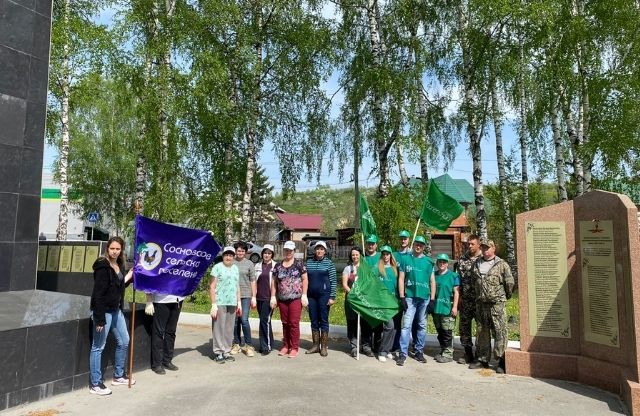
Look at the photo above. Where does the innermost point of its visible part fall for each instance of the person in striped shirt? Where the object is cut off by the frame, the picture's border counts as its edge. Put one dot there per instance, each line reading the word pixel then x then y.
pixel 321 294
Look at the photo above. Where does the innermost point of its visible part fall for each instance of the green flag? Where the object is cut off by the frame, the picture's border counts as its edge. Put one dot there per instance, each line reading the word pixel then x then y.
pixel 370 297
pixel 367 224
pixel 439 209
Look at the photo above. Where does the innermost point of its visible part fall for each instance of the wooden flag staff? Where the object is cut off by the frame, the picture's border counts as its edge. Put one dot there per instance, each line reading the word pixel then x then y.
pixel 132 337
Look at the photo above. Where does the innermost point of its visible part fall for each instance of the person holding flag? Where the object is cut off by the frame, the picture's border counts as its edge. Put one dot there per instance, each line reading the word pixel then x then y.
pixel 372 257
pixel 387 269
pixel 416 286
pixel 446 307
pixel 349 276
pixel 165 312
pixel 225 305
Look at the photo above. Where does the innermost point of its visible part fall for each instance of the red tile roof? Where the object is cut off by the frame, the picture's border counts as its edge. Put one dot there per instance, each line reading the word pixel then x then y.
pixel 300 221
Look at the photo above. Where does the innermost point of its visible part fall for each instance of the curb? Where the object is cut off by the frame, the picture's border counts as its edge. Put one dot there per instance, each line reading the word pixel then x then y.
pixel 336 331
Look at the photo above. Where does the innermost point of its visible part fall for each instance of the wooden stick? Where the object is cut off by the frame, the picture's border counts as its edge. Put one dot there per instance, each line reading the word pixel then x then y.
pixel 132 332
pixel 415 233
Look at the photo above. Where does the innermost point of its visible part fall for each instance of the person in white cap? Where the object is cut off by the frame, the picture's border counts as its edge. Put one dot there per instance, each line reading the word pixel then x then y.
pixel 289 294
pixel 225 305
pixel 264 271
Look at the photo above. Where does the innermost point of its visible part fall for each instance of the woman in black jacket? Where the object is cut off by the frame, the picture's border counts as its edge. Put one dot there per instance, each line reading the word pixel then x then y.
pixel 109 281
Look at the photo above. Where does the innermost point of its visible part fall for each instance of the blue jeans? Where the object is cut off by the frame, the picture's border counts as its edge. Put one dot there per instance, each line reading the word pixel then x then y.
pixel 118 326
pixel 416 308
pixel 319 311
pixel 243 322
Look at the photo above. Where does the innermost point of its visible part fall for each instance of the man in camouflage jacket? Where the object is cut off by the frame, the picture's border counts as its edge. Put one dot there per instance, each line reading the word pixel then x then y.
pixel 468 296
pixel 494 285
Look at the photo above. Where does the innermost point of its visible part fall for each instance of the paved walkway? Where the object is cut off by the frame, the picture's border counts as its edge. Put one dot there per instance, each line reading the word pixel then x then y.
pixel 335 385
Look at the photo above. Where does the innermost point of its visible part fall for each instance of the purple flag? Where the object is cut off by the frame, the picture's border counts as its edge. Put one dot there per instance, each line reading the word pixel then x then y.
pixel 170 259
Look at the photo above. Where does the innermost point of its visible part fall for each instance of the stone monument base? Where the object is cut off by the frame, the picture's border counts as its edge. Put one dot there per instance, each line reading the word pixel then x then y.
pixel 45 340
pixel 585 370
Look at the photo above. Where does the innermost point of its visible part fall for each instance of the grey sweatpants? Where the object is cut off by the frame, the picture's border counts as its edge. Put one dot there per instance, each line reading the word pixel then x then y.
pixel 222 329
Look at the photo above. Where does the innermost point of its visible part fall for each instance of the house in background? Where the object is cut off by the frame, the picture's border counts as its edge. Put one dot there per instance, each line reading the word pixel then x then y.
pixel 295 226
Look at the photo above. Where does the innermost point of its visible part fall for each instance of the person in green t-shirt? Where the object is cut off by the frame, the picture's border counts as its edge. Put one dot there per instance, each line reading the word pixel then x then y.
pixel 371 256
pixel 445 309
pixel 225 305
pixel 417 289
pixel 387 270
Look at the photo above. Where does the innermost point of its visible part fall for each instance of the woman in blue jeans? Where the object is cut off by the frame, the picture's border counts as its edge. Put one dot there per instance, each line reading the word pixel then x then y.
pixel 321 294
pixel 109 282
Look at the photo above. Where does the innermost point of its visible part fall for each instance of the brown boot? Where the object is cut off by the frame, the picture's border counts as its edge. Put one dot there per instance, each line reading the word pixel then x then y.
pixel 316 343
pixel 324 340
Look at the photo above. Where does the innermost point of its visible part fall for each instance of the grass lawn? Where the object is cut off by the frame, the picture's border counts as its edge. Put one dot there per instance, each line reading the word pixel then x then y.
pixel 199 303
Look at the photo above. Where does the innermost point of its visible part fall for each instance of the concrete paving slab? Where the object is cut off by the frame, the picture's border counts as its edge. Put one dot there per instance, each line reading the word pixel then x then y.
pixel 313 385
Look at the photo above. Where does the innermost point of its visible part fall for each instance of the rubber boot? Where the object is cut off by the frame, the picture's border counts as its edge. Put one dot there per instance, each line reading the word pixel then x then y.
pixel 501 368
pixel 324 340
pixel 316 341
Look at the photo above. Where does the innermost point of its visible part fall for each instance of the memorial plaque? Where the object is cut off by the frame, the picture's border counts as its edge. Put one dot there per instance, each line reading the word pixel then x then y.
pixel 548 290
pixel 53 259
pixel 90 257
pixel 599 288
pixel 65 258
pixel 77 262
pixel 42 258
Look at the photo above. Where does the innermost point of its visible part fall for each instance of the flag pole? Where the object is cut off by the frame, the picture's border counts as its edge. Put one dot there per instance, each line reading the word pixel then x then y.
pixel 358 324
pixel 132 332
pixel 415 233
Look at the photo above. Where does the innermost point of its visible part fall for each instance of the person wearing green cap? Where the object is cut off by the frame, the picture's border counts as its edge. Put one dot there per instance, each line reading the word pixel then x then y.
pixel 403 250
pixel 371 256
pixel 446 307
pixel 388 272
pixel 417 289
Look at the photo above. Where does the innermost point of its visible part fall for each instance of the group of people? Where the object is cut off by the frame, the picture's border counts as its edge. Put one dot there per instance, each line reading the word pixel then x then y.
pixel 477 290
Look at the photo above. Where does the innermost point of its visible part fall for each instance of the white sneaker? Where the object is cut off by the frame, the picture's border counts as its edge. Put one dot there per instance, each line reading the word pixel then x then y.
pixel 390 356
pixel 122 381
pixel 100 390
pixel 382 358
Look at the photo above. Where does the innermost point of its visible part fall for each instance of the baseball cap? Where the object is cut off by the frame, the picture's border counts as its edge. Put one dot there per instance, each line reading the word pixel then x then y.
pixel 420 239
pixel 487 242
pixel 268 247
pixel 320 244
pixel 372 239
pixel 228 249
pixel 387 249
pixel 443 257
pixel 404 233
pixel 289 245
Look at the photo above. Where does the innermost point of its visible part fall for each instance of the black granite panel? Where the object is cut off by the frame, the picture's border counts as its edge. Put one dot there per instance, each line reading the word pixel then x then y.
pixel 29 308
pixel 13 66
pixel 13 114
pixel 57 360
pixel 38 78
pixel 11 399
pixel 6 257
pixel 30 168
pixel 29 4
pixel 9 170
pixel 41 37
pixel 83 346
pixel 12 348
pixel 27 219
pixel 8 208
pixel 23 267
pixel 16 26
pixel 34 125
pixel 35 393
pixel 44 7
pixel 74 283
pixel 81 381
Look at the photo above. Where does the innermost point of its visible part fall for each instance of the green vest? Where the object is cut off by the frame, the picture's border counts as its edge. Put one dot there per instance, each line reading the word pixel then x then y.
pixel 417 274
pixel 390 280
pixel 372 260
pixel 444 292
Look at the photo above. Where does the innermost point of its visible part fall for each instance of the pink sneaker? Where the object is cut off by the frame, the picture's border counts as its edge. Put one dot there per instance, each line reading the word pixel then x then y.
pixel 293 354
pixel 283 351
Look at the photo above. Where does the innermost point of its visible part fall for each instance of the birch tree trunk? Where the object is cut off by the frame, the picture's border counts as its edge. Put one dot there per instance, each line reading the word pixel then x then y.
pixel 470 106
pixel 522 132
pixel 250 136
pixel 422 114
pixel 557 142
pixel 141 164
pixel 381 146
pixel 574 139
pixel 502 179
pixel 63 217
pixel 401 167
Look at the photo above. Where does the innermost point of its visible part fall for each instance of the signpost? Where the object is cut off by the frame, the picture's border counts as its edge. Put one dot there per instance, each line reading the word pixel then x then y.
pixel 93 218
